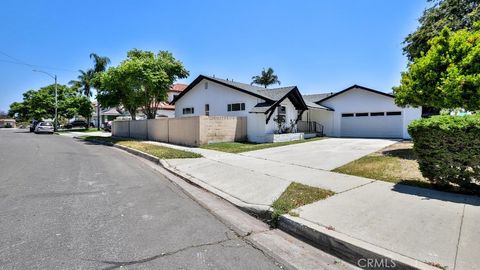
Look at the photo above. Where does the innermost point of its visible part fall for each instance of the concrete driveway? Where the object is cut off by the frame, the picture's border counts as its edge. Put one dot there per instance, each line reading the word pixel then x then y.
pixel 326 154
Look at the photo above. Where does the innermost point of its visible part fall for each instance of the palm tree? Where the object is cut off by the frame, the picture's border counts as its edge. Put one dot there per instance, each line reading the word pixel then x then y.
pixel 100 62
pixel 266 78
pixel 83 83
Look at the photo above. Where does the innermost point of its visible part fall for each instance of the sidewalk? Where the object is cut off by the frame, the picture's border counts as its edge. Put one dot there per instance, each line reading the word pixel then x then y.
pixel 414 223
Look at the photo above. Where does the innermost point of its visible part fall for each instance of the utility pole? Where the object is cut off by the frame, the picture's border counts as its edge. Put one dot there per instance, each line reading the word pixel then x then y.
pixel 55 123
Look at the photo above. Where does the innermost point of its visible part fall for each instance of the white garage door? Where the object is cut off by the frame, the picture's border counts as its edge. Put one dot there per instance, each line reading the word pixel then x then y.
pixel 372 124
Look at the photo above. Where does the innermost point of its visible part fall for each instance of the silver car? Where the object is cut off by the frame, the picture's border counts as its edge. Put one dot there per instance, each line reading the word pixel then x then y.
pixel 44 127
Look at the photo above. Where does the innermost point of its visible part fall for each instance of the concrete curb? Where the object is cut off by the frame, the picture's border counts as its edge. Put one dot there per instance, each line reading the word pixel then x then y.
pixel 340 245
pixel 347 248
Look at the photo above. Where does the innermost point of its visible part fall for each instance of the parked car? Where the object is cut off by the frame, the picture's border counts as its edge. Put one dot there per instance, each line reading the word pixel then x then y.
pixel 33 125
pixel 44 127
pixel 77 124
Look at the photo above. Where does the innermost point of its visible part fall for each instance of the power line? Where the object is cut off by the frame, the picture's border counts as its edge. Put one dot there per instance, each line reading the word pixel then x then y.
pixel 20 62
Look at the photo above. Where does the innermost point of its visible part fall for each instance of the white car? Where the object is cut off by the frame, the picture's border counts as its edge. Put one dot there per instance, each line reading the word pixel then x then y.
pixel 44 127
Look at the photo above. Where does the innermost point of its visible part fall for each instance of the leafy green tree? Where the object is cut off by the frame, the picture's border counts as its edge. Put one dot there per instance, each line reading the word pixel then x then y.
pixel 266 78
pixel 454 14
pixel 141 81
pixel 116 89
pixel 40 104
pixel 447 76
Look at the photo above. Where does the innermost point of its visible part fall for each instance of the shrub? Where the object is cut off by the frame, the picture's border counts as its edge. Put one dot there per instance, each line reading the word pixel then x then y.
pixel 448 149
pixel 8 125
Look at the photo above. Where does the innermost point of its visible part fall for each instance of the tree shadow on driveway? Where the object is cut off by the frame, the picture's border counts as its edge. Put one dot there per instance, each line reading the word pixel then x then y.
pixel 431 194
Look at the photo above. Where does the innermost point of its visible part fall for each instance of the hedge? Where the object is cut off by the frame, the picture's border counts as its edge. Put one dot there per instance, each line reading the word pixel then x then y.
pixel 448 149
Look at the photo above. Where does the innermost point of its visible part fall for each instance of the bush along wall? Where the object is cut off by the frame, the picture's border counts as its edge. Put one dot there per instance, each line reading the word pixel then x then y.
pixel 448 149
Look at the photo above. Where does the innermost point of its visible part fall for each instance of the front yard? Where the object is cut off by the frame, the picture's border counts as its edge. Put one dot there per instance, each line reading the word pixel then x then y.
pixel 154 150
pixel 239 147
pixel 396 163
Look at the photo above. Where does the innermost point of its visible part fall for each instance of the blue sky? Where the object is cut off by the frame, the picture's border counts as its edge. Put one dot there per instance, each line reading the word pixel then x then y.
pixel 320 46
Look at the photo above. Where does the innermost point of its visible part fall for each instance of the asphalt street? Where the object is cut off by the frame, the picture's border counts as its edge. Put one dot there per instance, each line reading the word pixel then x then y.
pixel 69 204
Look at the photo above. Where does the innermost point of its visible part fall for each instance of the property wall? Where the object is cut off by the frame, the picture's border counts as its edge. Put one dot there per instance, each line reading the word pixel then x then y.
pixel 359 100
pixel 191 131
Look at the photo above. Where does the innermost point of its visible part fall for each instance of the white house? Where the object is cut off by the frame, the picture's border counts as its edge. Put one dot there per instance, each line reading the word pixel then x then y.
pixel 360 112
pixel 354 112
pixel 218 97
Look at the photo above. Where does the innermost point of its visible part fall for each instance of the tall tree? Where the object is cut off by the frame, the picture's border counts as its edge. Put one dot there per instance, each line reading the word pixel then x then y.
pixel 83 82
pixel 100 63
pixel 266 78
pixel 454 14
pixel 447 76
pixel 40 104
pixel 142 81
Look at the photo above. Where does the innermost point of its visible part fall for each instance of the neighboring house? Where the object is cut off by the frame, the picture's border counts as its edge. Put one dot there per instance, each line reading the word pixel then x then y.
pixel 360 112
pixel 261 106
pixel 165 109
pixel 106 114
pixel 6 122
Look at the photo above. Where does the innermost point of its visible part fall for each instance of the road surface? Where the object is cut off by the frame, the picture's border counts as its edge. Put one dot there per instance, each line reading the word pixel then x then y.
pixel 68 204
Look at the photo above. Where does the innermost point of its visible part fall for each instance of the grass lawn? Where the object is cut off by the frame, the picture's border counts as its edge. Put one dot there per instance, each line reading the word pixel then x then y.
pixel 297 195
pixel 239 147
pixel 154 150
pixel 396 164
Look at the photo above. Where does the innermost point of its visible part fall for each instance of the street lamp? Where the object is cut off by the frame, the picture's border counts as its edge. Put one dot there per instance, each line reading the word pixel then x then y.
pixel 56 96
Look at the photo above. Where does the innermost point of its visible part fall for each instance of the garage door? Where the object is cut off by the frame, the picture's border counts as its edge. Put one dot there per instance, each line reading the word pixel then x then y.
pixel 372 124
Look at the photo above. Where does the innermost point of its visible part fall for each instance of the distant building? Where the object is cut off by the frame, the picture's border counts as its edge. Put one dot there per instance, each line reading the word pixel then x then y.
pixel 7 122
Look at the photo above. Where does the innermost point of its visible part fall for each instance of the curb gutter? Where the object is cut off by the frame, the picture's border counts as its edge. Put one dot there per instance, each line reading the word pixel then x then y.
pixel 349 249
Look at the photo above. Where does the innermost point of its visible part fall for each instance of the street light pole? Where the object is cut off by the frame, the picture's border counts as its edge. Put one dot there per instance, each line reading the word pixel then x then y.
pixel 56 97
pixel 56 106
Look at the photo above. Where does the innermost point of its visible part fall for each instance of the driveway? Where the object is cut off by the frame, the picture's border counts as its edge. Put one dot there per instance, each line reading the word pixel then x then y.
pixel 326 154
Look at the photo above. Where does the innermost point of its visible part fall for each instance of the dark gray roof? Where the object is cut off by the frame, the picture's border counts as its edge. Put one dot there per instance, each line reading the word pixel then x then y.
pixel 316 106
pixel 269 93
pixel 316 97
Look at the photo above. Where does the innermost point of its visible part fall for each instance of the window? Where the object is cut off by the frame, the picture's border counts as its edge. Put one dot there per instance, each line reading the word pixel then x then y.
pixel 361 114
pixel 189 110
pixel 207 109
pixel 347 114
pixel 236 107
pixel 206 85
pixel 394 113
pixel 377 114
pixel 282 110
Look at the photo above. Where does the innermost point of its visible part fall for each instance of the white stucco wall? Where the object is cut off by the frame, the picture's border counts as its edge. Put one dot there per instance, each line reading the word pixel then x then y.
pixel 291 114
pixel 219 96
pixel 323 117
pixel 167 113
pixel 359 100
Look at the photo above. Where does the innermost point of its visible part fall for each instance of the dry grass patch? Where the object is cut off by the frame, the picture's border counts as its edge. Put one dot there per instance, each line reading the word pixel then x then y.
pixel 297 195
pixel 395 163
pixel 158 151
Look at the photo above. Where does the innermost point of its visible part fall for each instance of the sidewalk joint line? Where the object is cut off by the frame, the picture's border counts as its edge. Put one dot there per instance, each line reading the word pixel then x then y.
pixel 459 237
